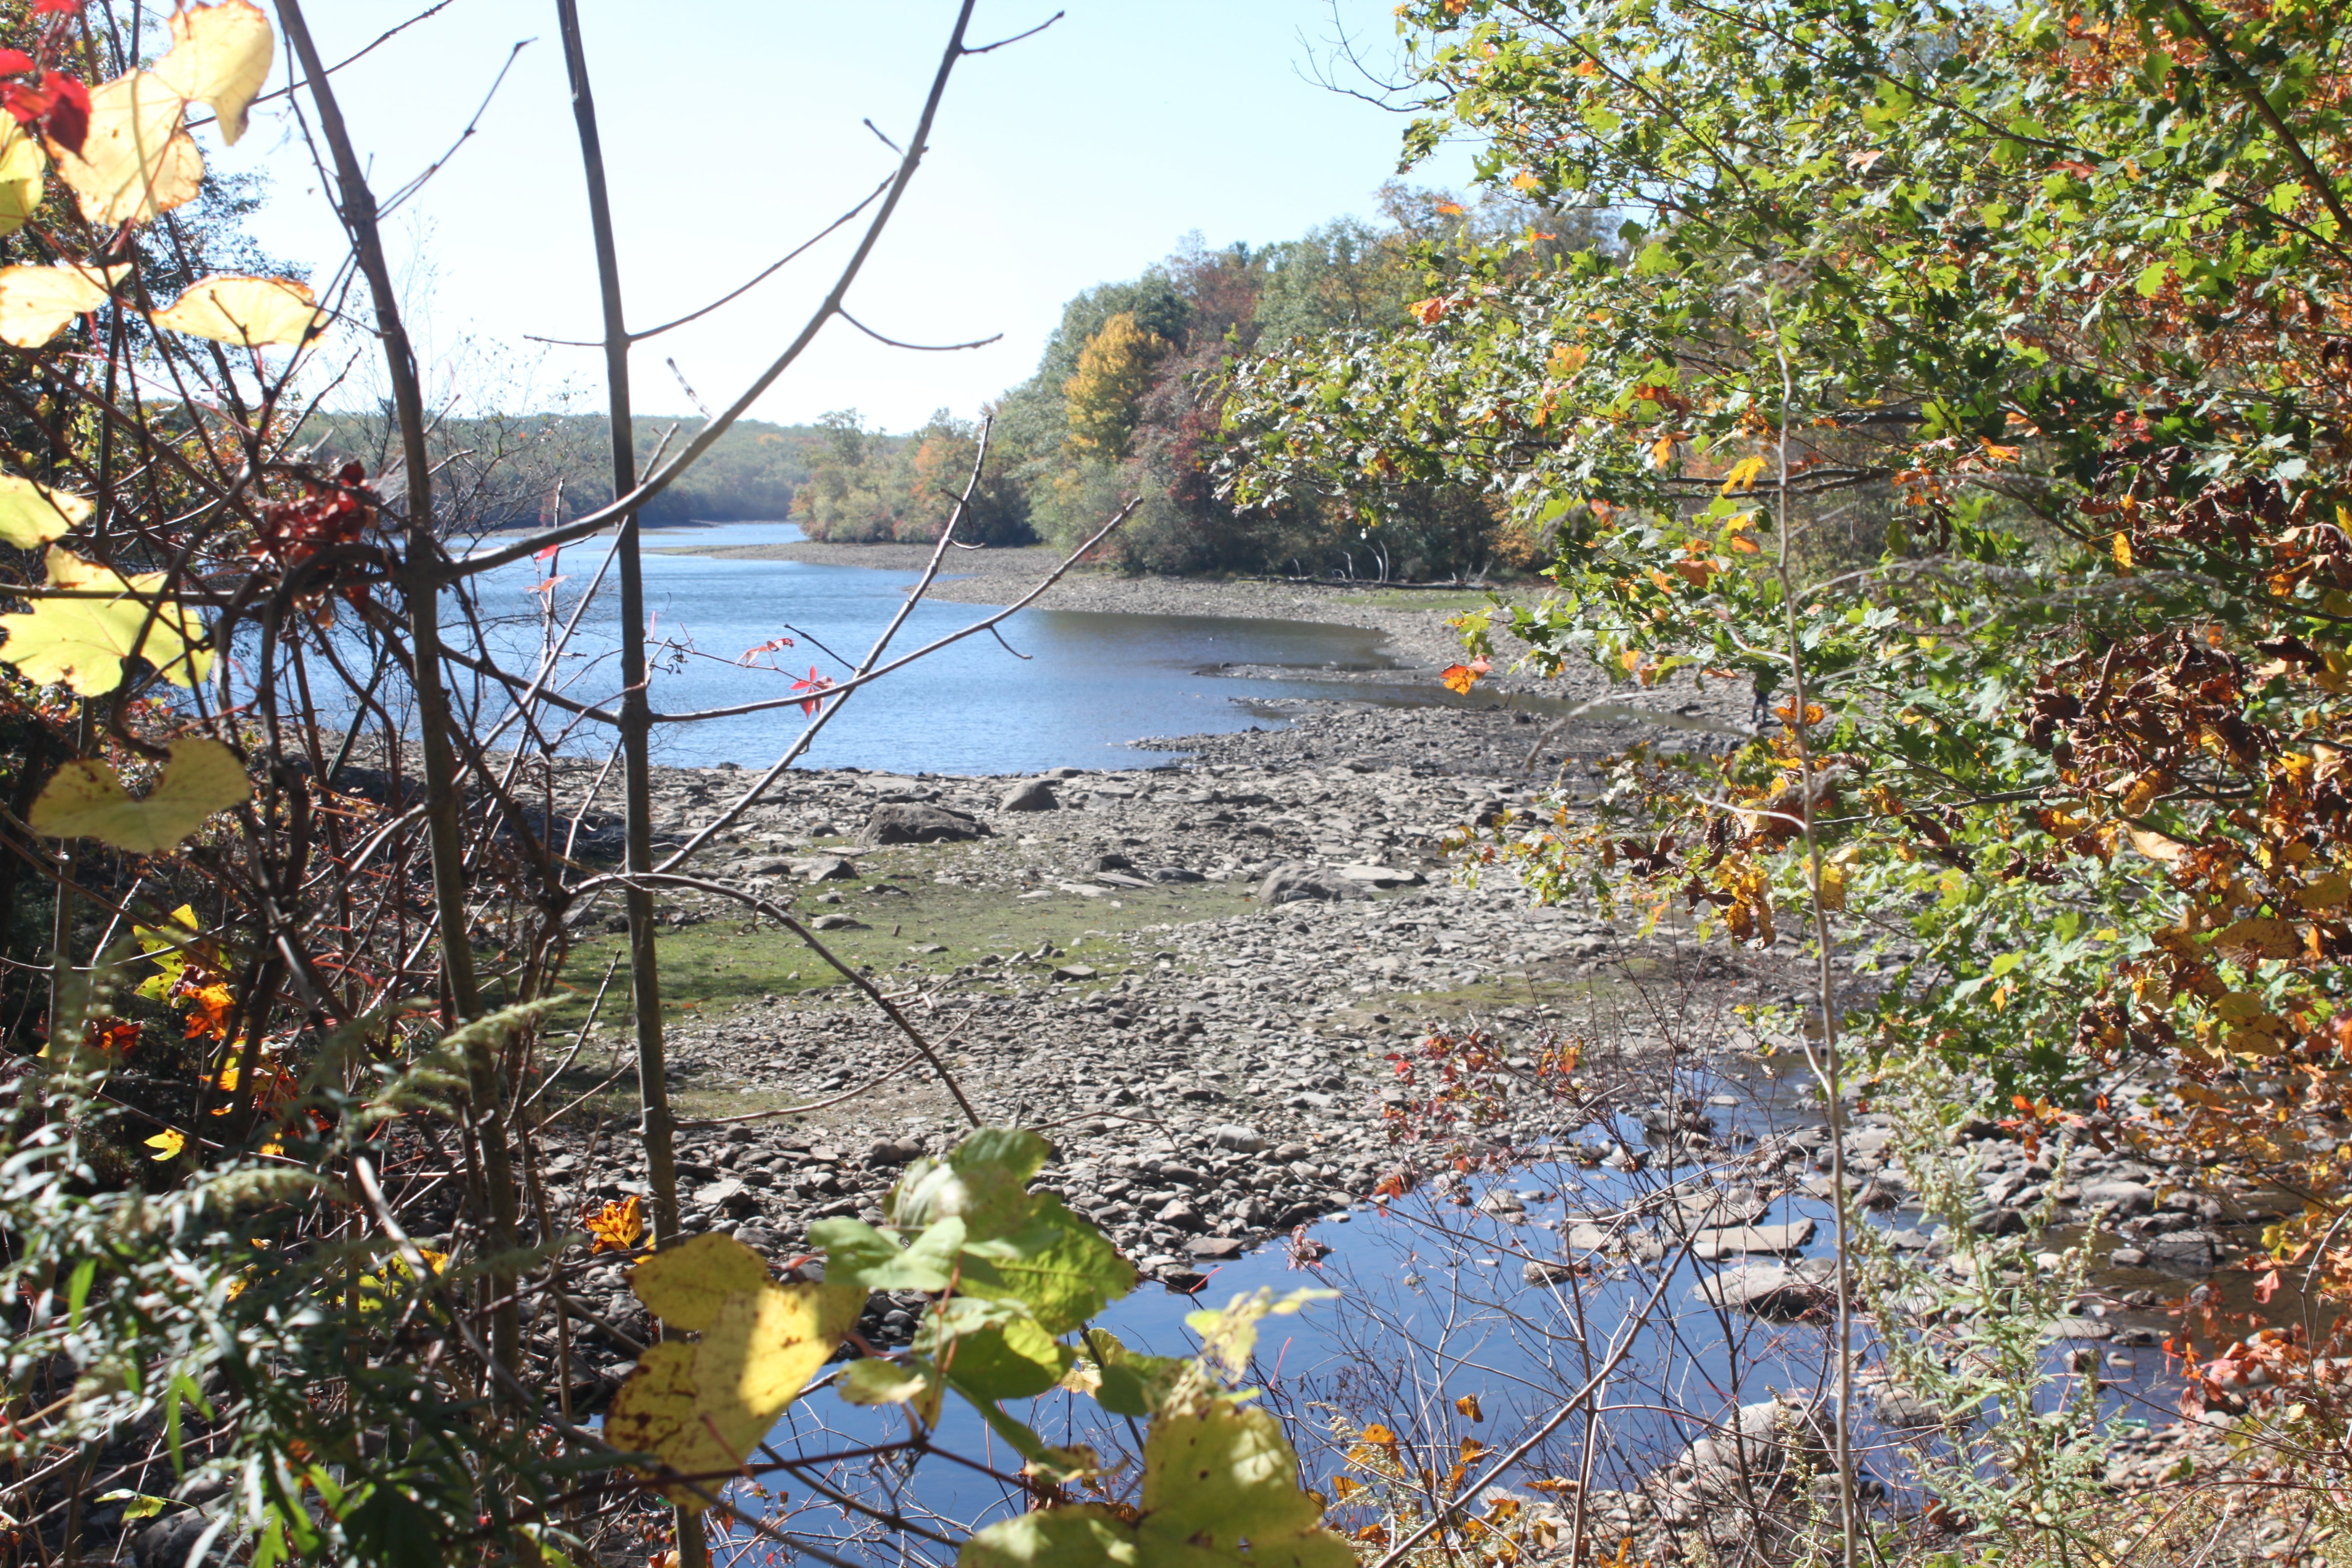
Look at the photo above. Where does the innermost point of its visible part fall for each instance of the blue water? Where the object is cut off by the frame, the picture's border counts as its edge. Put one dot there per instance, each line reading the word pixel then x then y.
pixel 1434 1307
pixel 1064 689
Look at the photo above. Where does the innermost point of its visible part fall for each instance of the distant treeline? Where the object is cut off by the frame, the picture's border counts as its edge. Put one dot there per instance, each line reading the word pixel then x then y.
pixel 1128 400
pixel 524 469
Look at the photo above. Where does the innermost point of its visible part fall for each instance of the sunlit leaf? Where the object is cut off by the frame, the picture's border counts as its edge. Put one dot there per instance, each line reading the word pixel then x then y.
pixel 618 1225
pixel 219 57
pixel 1743 475
pixel 82 642
pixel 85 799
pixel 919 1386
pixel 247 311
pixel 167 1144
pixel 760 1352
pixel 1228 1337
pixel 23 166
pixel 136 164
pixel 1219 1486
pixel 1059 1266
pixel 686 1285
pixel 654 1413
pixel 36 302
pixel 33 514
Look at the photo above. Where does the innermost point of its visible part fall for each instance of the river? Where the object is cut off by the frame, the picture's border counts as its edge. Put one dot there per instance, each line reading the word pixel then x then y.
pixel 1063 689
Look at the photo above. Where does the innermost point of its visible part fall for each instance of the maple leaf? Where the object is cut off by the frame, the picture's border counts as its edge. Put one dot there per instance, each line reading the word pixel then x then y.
pixel 618 1227
pixel 814 682
pixel 211 1014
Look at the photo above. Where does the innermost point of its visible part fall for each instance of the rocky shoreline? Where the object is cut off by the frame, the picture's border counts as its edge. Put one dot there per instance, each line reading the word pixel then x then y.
pixel 1199 979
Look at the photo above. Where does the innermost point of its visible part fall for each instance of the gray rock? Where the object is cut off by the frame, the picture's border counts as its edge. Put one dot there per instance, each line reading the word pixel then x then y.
pixel 823 869
pixel 1216 1246
pixel 1291 883
pixel 837 922
pixel 2073 1328
pixel 1073 972
pixel 1382 876
pixel 1241 1139
pixel 1036 795
pixel 1173 873
pixel 1733 1240
pixel 1539 1271
pixel 907 823
pixel 2191 1251
pixel 893 1151
pixel 2127 1257
pixel 2120 1199
pixel 1782 1292
pixel 1181 1216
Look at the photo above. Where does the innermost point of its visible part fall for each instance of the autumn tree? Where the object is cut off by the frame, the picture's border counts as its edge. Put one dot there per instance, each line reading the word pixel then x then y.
pixel 1114 371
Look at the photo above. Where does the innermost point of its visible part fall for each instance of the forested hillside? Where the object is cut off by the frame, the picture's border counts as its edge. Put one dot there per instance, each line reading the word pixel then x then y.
pixel 1129 399
pixel 520 469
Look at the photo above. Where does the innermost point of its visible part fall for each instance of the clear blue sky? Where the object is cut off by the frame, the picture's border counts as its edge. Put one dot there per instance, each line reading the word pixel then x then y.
pixel 732 131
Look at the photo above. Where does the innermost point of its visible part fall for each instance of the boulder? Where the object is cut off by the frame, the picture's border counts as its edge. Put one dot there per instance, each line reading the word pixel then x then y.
pixel 822 869
pixel 1181 1216
pixel 909 823
pixel 2120 1199
pixel 2187 1251
pixel 837 922
pixel 1237 1138
pixel 1034 794
pixel 1733 1240
pixel 1780 1291
pixel 1291 883
pixel 1218 1248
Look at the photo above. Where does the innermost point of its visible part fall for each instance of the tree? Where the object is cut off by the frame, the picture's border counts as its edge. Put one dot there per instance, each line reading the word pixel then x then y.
pixel 1114 371
pixel 1967 384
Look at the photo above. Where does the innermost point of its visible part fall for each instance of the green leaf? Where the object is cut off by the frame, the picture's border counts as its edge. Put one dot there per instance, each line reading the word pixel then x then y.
pixel 1219 1486
pixel 872 1382
pixel 992 1351
pixel 1061 1266
pixel 1228 1337
pixel 857 1254
pixel 1133 1384
pixel 985 1182
pixel 392 1530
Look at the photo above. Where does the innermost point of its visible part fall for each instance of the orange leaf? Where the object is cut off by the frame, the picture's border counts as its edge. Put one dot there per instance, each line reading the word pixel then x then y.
pixel 1459 678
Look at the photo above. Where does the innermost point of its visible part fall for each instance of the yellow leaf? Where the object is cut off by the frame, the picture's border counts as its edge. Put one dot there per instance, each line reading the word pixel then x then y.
pixel 2259 939
pixel 2143 791
pixel 167 1144
pixel 1663 452
pixel 654 1413
pixel 219 57
pixel 22 166
pixel 87 800
pixel 2123 551
pixel 1523 182
pixel 1833 889
pixel 1468 1406
pixel 760 1352
pixel 618 1227
pixel 686 1285
pixel 33 514
pixel 2157 847
pixel 36 302
pixel 247 311
pixel 136 164
pixel 83 642
pixel 1743 474
pixel 2324 893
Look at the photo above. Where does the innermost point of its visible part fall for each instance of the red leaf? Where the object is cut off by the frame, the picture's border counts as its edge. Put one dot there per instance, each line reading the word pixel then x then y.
pixel 69 117
pixel 549 553
pixel 25 101
pixel 15 62
pixel 2266 1287
pixel 57 8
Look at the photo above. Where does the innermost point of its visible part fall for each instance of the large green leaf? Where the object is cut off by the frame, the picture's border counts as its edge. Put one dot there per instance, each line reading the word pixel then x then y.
pixel 985 1182
pixel 993 1351
pixel 1219 1486
pixel 1064 1268
pixel 857 1254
